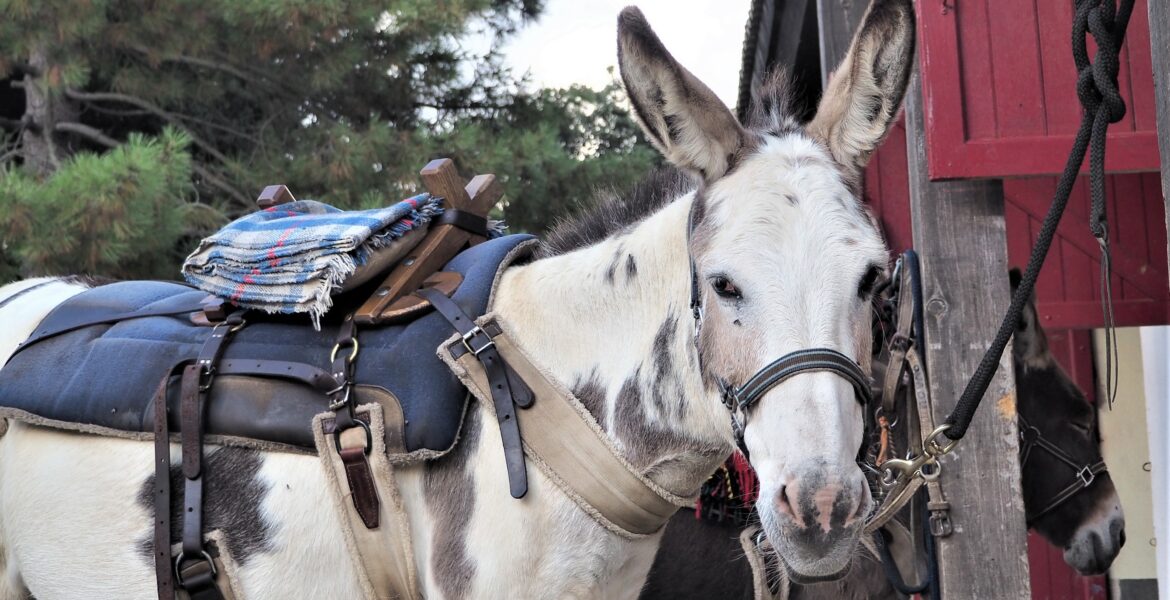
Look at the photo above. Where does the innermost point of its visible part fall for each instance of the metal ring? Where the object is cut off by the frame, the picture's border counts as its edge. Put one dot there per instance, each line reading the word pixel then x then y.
pixel 352 353
pixel 931 445
pixel 179 564
pixel 232 328
pixel 364 425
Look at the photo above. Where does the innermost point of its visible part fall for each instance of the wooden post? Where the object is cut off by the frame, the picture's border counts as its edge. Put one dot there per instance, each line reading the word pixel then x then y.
pixel 1160 55
pixel 960 235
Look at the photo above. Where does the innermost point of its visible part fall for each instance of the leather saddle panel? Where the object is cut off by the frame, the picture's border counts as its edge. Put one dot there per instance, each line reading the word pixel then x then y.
pixel 105 375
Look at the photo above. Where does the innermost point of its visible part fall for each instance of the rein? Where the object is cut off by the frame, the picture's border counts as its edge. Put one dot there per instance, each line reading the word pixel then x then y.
pixel 1102 103
pixel 1085 474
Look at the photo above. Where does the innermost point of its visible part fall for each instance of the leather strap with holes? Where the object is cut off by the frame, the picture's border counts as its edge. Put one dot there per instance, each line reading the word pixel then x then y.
pixel 506 391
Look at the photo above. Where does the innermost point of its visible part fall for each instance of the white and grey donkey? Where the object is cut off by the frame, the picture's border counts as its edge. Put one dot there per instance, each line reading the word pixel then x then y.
pixel 785 256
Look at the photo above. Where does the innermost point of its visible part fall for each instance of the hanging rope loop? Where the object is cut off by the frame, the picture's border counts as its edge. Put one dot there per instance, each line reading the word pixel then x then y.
pixel 1102 103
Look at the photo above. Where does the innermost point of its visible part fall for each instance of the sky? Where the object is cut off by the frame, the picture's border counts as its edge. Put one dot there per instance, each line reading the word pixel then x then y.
pixel 574 41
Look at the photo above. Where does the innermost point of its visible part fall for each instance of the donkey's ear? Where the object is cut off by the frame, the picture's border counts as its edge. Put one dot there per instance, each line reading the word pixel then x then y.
pixel 1030 344
pixel 1014 278
pixel 683 118
pixel 864 94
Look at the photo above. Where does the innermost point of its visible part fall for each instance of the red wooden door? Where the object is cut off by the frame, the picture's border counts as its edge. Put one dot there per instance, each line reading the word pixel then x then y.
pixel 1068 292
pixel 999 89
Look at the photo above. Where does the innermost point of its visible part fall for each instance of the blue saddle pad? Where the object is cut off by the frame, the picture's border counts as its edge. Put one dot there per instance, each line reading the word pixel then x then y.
pixel 104 376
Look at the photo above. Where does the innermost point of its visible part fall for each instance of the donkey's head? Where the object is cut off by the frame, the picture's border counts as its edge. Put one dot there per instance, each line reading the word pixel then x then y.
pixel 785 258
pixel 1085 520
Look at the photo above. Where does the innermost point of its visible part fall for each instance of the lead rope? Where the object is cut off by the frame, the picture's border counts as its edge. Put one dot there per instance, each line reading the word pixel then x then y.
pixel 1102 103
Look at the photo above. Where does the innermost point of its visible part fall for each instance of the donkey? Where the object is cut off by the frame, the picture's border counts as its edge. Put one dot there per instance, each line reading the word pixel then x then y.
pixel 699 559
pixel 768 237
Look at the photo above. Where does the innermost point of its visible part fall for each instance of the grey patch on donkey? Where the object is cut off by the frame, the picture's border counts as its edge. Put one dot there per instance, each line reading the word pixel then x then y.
pixel 450 497
pixel 232 494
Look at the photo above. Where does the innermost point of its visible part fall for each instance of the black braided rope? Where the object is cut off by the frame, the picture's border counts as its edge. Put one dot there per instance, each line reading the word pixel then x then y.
pixel 1102 104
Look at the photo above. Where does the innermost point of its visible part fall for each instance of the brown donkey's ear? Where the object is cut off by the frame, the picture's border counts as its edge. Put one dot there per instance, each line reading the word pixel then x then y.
pixel 865 93
pixel 1030 343
pixel 683 118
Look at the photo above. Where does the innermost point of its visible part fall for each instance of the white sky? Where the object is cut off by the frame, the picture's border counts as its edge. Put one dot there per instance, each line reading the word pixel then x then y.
pixel 574 41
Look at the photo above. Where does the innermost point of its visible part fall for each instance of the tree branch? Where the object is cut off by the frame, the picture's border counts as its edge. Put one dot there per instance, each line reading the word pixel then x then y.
pixel 224 186
pixel 217 126
pixel 198 62
pixel 9 154
pixel 96 136
pixel 86 132
pixel 460 105
pixel 157 110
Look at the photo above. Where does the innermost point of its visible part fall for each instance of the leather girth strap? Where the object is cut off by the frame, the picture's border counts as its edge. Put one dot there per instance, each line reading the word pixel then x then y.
pixel 564 441
pixel 507 389
pixel 352 438
pixel 193 571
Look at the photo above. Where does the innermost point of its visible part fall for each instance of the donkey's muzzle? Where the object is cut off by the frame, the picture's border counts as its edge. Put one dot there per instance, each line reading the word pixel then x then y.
pixel 817 519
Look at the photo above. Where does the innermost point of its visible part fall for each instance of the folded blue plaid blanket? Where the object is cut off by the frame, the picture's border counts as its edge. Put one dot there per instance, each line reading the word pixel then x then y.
pixel 293 257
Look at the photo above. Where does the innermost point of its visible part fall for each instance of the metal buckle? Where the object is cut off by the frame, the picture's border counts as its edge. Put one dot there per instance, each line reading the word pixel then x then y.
pixel 364 425
pixel 1086 475
pixel 179 565
pixel 336 405
pixel 470 335
pixel 206 374
pixel 940 523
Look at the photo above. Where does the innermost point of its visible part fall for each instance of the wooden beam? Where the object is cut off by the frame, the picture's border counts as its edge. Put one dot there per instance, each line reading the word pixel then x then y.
pixel 959 232
pixel 837 20
pixel 1160 55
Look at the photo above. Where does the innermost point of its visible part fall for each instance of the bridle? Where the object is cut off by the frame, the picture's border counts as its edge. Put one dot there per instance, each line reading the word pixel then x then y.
pixel 739 400
pixel 1085 474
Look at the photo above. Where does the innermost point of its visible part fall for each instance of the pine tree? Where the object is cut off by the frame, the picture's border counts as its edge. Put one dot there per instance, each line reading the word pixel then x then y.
pixel 132 126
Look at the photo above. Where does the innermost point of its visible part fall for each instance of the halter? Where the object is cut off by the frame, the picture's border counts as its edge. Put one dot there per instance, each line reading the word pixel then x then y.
pixel 1086 474
pixel 778 371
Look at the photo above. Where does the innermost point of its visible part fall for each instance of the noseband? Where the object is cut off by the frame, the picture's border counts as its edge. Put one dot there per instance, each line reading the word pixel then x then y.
pixel 778 371
pixel 792 364
pixel 1030 437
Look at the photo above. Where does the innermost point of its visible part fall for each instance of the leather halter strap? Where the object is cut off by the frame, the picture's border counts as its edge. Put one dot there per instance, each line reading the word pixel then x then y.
pixel 1084 477
pixel 795 363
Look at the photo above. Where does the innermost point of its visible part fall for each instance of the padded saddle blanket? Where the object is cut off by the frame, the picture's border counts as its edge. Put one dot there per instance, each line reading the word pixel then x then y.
pixel 101 378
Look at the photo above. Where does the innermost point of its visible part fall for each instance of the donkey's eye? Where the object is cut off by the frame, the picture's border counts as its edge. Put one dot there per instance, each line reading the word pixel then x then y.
pixel 868 281
pixel 725 288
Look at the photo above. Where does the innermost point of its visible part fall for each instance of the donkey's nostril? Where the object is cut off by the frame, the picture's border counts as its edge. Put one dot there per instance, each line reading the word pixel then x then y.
pixel 784 503
pixel 1121 539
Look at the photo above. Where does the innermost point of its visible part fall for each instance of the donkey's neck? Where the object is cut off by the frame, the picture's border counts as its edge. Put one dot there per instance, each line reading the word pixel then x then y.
pixel 612 322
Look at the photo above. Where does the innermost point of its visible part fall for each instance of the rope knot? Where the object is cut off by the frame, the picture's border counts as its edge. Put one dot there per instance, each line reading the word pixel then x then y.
pixel 1097 80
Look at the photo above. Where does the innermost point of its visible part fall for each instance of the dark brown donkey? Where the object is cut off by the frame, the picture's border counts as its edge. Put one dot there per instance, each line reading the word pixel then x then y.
pixel 1060 447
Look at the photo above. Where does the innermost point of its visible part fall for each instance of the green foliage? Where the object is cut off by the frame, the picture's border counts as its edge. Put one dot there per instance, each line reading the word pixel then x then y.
pixel 198 104
pixel 553 150
pixel 118 214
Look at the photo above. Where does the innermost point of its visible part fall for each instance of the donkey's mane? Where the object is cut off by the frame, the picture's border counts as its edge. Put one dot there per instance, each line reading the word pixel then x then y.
pixel 613 212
